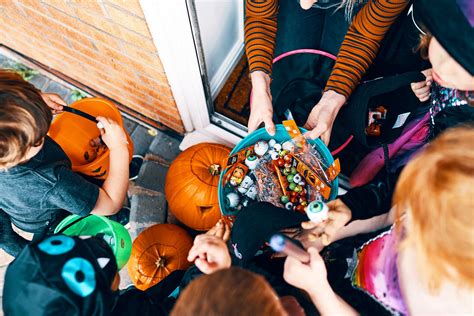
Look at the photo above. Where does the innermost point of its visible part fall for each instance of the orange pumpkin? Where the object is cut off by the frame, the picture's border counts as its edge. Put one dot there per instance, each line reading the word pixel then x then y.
pixel 156 252
pixel 191 185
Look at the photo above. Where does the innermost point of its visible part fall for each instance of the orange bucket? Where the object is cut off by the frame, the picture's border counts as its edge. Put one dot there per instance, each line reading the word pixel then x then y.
pixel 74 133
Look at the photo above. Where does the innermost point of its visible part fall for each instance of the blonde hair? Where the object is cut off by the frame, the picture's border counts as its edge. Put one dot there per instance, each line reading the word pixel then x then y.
pixel 228 292
pixel 436 193
pixel 24 118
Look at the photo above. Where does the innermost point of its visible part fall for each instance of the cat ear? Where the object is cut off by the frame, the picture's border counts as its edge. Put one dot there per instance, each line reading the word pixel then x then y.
pixel 103 262
pixel 85 237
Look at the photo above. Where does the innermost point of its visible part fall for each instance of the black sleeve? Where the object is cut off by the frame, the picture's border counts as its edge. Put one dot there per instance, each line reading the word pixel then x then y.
pixel 372 199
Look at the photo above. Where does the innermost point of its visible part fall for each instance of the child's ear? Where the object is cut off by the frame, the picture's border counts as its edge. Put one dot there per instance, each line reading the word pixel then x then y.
pixel 103 262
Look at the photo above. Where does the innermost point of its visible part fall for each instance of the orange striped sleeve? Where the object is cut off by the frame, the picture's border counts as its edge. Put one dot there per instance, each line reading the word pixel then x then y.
pixel 260 33
pixel 362 43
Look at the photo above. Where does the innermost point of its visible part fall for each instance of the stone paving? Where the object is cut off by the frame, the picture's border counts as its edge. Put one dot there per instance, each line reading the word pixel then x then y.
pixel 146 194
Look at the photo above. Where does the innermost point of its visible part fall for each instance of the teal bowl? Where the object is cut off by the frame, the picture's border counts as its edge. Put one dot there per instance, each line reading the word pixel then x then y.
pixel 281 135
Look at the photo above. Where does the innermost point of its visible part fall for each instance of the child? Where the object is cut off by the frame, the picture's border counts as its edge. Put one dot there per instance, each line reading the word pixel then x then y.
pixel 64 275
pixel 423 264
pixel 36 179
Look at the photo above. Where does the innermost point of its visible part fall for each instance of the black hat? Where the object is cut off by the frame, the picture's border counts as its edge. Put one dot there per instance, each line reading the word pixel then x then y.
pixel 451 22
pixel 256 224
pixel 61 275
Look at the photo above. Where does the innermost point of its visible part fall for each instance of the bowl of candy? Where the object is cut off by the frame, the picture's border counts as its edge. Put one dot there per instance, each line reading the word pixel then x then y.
pixel 286 170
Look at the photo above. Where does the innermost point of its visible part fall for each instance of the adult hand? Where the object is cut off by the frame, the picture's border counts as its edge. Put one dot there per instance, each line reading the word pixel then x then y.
pixel 54 101
pixel 112 133
pixel 422 88
pixel 322 116
pixel 220 230
pixel 306 276
pixel 209 254
pixel 339 215
pixel 261 109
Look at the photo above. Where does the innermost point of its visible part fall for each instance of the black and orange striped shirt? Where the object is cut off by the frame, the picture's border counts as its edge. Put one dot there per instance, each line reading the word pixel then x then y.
pixel 357 52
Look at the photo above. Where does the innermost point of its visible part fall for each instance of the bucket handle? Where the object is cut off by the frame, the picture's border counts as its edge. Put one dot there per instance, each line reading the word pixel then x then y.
pixel 79 113
pixel 71 224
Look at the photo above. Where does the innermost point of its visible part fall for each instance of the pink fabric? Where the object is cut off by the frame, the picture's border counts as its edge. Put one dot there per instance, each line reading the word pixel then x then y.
pixel 414 134
pixel 340 148
pixel 304 50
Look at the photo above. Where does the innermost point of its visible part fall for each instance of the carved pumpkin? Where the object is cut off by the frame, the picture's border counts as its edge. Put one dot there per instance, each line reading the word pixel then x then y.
pixel 158 251
pixel 191 185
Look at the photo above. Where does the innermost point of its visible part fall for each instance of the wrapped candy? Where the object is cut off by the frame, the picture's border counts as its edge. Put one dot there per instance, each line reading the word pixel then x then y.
pixel 261 148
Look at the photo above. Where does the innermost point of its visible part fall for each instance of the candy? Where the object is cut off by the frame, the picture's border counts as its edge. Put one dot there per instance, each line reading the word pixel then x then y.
pixel 277 147
pixel 293 199
pixel 288 146
pixel 260 148
pixel 297 178
pixel 299 208
pixel 283 153
pixel 288 158
pixel 292 186
pixel 280 162
pixel 290 178
pixel 232 200
pixel 317 211
pixel 252 192
pixel 284 199
pixel 274 155
pixel 286 172
pixel 298 188
pixel 289 206
pixel 302 183
pixel 271 142
pixel 293 170
pixel 252 161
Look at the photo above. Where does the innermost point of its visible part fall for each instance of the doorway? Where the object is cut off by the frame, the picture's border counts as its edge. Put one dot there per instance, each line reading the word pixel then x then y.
pixel 218 32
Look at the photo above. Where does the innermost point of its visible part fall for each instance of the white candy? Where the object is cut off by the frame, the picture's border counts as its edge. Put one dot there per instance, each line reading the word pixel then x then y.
pixel 317 212
pixel 232 199
pixel 271 142
pixel 247 182
pixel 252 162
pixel 252 192
pixel 288 146
pixel 274 155
pixel 260 148
pixel 297 178
pixel 277 147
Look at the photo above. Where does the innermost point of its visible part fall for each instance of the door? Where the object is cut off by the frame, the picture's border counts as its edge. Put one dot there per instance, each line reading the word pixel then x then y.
pixel 218 31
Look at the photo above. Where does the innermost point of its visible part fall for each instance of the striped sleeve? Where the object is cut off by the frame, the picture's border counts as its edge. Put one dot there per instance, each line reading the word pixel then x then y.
pixel 260 33
pixel 362 42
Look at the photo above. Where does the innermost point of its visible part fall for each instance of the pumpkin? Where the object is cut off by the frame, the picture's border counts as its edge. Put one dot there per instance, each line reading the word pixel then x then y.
pixel 191 185
pixel 156 252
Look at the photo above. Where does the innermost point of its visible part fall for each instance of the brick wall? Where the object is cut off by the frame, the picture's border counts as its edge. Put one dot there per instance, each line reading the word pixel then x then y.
pixel 104 44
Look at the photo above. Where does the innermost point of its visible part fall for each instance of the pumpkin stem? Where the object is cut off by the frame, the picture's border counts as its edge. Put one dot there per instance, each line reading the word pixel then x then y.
pixel 214 169
pixel 160 262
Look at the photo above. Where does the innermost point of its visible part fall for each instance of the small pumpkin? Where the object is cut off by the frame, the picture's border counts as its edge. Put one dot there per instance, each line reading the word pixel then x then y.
pixel 191 185
pixel 156 252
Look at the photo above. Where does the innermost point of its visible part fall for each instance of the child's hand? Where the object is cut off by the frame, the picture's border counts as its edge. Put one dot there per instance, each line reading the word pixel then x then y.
pixel 210 254
pixel 339 215
pixel 306 276
pixel 422 88
pixel 220 230
pixel 54 101
pixel 112 133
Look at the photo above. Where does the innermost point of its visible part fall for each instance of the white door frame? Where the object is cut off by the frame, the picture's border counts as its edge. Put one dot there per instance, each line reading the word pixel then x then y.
pixel 170 28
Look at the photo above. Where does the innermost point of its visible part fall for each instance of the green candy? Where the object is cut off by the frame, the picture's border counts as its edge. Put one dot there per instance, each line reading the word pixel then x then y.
pixel 290 178
pixel 284 199
pixel 292 186
pixel 293 171
pixel 286 172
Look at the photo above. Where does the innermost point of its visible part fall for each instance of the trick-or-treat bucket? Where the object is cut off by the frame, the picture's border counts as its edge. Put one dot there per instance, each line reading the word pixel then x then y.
pixel 281 135
pixel 74 134
pixel 112 232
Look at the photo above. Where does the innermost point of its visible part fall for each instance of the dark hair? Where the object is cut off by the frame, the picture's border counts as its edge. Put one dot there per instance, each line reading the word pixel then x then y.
pixel 24 118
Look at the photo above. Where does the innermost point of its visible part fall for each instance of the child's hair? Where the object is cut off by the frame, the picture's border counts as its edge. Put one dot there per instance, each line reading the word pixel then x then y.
pixel 231 291
pixel 24 118
pixel 436 193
